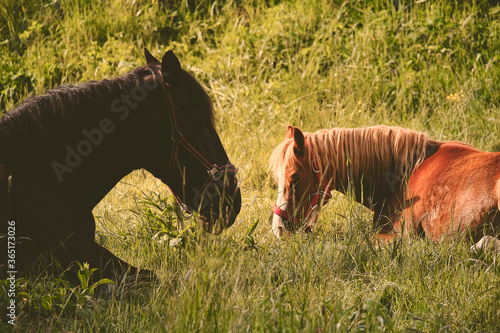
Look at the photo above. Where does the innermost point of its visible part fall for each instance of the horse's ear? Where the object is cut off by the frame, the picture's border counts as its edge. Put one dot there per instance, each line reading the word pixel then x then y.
pixel 298 139
pixel 170 68
pixel 150 60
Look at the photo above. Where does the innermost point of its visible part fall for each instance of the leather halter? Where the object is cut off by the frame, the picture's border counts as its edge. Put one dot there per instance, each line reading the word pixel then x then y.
pixel 323 190
pixel 214 171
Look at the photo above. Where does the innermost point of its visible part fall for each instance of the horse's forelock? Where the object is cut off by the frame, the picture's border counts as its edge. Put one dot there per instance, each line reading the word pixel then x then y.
pixel 283 159
pixel 277 160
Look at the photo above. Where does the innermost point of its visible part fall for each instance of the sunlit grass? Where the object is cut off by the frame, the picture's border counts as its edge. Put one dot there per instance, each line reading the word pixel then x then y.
pixel 427 65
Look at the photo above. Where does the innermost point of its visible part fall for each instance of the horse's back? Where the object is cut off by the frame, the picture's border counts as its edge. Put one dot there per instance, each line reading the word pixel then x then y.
pixel 454 189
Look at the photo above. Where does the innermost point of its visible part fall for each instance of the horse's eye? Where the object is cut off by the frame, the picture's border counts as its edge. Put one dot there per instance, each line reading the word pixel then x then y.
pixel 295 180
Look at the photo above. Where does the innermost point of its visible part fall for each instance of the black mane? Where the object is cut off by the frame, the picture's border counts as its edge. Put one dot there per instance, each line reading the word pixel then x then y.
pixel 68 108
pixel 65 105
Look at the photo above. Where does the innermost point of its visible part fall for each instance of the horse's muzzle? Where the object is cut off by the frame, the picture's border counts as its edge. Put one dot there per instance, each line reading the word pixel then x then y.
pixel 222 213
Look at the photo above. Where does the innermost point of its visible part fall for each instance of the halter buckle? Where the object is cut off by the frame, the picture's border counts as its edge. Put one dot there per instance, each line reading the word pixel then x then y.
pixel 176 137
pixel 215 172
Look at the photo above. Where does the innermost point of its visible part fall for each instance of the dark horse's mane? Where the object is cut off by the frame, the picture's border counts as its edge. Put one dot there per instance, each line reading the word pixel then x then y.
pixel 68 107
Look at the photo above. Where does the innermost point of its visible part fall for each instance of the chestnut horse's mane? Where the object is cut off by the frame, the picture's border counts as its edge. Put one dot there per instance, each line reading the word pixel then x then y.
pixel 356 152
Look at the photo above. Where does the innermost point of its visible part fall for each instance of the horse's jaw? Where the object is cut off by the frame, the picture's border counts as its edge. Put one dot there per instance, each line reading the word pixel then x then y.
pixel 224 218
pixel 216 226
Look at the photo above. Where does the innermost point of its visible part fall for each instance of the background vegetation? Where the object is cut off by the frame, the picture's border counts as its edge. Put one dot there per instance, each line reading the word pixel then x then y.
pixel 427 65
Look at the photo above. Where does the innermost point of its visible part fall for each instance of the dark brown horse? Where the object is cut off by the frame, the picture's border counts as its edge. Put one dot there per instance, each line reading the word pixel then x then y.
pixel 60 153
pixel 412 184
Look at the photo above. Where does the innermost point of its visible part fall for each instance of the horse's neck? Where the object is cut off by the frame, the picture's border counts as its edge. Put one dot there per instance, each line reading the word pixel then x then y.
pixel 86 161
pixel 362 186
pixel 362 176
pixel 114 148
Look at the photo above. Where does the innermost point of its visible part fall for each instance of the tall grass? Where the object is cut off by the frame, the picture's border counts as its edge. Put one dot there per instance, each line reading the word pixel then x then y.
pixel 427 65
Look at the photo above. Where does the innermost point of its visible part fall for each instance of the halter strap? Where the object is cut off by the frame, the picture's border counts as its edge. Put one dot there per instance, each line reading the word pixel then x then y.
pixel 282 213
pixel 214 171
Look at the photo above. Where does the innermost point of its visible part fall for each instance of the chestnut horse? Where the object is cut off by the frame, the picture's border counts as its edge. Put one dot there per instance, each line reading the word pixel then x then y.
pixel 61 152
pixel 412 184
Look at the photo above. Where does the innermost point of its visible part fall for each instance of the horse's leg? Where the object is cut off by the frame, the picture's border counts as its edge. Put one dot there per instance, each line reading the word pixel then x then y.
pixel 50 224
pixel 399 225
pixel 387 237
pixel 386 231
pixel 487 243
pixel 109 265
pixel 81 247
pixel 490 243
pixel 25 206
pixel 387 223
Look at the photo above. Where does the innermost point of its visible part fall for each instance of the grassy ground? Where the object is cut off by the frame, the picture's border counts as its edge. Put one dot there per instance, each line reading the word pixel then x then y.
pixel 427 65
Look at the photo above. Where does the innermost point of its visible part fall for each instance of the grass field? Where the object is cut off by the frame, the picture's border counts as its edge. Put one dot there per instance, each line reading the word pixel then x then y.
pixel 432 66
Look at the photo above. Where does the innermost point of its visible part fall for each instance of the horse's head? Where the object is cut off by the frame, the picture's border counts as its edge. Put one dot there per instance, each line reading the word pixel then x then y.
pixel 194 163
pixel 301 187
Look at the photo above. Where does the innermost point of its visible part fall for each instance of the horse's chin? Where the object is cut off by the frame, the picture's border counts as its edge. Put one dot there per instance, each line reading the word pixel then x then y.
pixel 214 223
pixel 211 228
pixel 285 229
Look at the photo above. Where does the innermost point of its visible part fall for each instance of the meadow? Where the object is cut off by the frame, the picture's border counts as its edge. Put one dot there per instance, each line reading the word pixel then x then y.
pixel 426 65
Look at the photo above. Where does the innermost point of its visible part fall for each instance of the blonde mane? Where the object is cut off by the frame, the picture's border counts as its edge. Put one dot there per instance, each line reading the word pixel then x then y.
pixel 368 152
